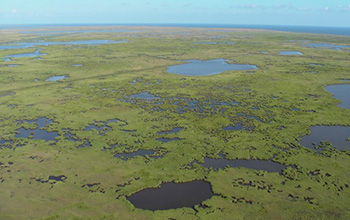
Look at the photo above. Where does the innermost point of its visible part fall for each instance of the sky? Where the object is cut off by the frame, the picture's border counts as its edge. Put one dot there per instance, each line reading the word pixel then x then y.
pixel 260 12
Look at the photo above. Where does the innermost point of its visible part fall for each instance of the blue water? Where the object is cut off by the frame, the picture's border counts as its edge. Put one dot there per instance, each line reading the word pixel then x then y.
pixel 297 29
pixel 290 53
pixel 205 68
pixel 21 55
pixel 82 42
pixel 56 78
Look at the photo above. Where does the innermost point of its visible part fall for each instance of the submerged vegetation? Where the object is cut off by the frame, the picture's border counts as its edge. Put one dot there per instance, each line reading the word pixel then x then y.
pixel 86 127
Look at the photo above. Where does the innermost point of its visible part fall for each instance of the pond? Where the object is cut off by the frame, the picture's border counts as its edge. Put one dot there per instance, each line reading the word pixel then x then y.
pixel 205 68
pixel 21 55
pixel 172 195
pixel 56 78
pixel 43 43
pixel 38 132
pixel 338 136
pixel 77 65
pixel 144 95
pixel 341 92
pixel 235 127
pixel 290 53
pixel 325 45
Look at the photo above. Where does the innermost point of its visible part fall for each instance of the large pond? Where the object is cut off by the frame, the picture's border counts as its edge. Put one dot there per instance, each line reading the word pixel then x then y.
pixel 209 67
pixel 338 136
pixel 43 43
pixel 38 131
pixel 325 45
pixel 172 195
pixel 341 92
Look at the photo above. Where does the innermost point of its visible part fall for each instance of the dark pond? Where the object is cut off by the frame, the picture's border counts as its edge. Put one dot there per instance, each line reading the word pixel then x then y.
pixel 205 68
pixel 325 45
pixel 5 143
pixel 21 55
pixel 56 78
pixel 38 132
pixel 174 130
pixel 60 178
pixel 165 140
pixel 290 53
pixel 141 153
pixel 341 92
pixel 235 127
pixel 172 195
pixel 144 95
pixel 82 42
pixel 338 136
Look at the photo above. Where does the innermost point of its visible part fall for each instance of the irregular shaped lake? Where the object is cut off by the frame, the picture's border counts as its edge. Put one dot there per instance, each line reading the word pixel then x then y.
pixel 325 45
pixel 341 92
pixel 336 135
pixel 82 42
pixel 21 55
pixel 172 195
pixel 290 53
pixel 205 68
pixel 38 132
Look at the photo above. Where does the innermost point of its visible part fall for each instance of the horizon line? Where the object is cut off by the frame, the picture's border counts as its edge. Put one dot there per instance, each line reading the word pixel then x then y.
pixel 174 24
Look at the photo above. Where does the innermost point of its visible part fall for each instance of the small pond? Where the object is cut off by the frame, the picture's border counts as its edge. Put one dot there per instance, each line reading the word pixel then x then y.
pixel 144 95
pixel 338 136
pixel 290 53
pixel 341 92
pixel 56 78
pixel 235 127
pixel 205 68
pixel 21 55
pixel 165 140
pixel 215 43
pixel 172 195
pixel 77 65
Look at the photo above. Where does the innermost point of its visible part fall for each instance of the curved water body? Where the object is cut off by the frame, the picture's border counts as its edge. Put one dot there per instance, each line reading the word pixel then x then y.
pixel 81 42
pixel 21 55
pixel 341 92
pixel 336 135
pixel 172 195
pixel 325 45
pixel 205 68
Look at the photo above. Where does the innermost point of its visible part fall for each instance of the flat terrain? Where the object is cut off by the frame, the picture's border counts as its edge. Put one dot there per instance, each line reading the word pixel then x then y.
pixel 65 144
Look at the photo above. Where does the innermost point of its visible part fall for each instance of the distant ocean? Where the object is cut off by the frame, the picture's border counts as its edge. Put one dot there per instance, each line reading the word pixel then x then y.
pixel 298 29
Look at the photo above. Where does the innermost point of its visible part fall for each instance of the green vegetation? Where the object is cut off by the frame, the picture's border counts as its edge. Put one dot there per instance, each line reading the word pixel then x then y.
pixel 316 188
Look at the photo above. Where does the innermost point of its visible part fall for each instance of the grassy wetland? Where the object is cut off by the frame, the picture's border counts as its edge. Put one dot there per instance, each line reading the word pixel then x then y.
pixel 116 123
